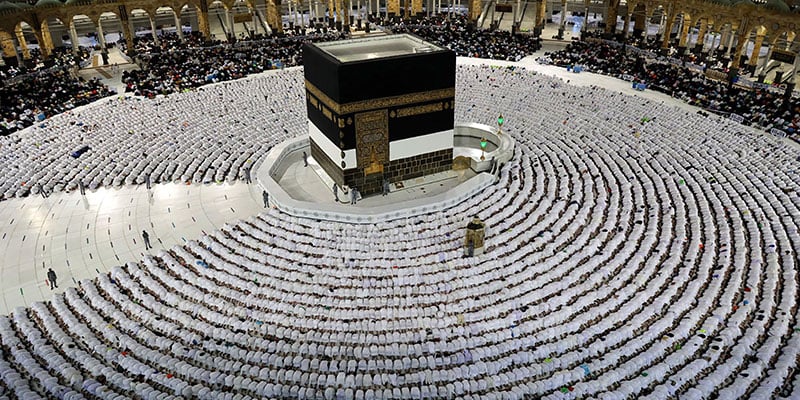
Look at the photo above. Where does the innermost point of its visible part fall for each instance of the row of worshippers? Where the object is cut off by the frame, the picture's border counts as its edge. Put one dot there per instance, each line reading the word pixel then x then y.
pixel 251 308
pixel 457 34
pixel 758 107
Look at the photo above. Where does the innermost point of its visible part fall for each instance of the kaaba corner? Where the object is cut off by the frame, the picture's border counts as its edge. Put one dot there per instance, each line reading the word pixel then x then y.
pixel 380 108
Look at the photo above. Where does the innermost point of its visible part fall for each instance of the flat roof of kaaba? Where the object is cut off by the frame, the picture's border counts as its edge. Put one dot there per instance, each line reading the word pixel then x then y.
pixel 377 47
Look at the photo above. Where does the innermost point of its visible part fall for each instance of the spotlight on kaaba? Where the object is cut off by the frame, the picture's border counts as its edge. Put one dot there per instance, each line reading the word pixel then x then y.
pixel 380 108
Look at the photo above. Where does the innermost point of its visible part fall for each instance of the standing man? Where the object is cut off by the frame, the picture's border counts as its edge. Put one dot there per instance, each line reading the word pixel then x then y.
pixel 336 191
pixel 51 276
pixel 146 238
pixel 247 175
pixel 265 195
pixel 305 159
pixel 41 191
pixel 148 182
pixel 385 186
pixel 82 187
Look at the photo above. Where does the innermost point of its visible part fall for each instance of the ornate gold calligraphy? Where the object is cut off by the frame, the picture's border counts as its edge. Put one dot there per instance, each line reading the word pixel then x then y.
pixel 382 102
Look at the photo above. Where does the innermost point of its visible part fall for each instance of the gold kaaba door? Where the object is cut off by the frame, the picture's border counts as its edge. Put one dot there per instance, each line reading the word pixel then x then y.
pixel 372 140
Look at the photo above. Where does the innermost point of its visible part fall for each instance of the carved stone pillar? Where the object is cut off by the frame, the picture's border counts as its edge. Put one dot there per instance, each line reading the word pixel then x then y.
pixel 73 36
pixel 101 36
pixel 416 7
pixel 178 25
pixel 541 13
pixel 202 20
pixel 7 41
pixel 640 22
pixel 126 28
pixel 731 37
pixel 611 21
pixel 762 68
pixel 668 29
pixel 273 18
pixel 393 6
pixel 627 26
pixel 46 40
pixel 585 24
pixel 683 35
pixel 230 21
pixel 153 30
pixel 701 35
pixel 23 44
pixel 741 41
pixel 331 13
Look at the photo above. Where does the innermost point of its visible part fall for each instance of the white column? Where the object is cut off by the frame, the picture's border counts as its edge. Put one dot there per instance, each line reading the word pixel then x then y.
pixel 153 30
pixel 299 10
pixel 178 26
pixel 763 65
pixel 101 37
pixel 586 20
pixel 73 36
pixel 232 22
pixel 730 43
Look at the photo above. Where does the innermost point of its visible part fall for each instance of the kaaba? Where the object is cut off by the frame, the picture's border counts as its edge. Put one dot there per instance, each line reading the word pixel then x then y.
pixel 380 108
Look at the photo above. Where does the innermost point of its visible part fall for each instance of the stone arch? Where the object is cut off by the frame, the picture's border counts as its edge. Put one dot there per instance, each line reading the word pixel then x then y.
pixel 109 28
pixel 166 16
pixel 53 31
pixel 140 18
pixel 242 14
pixel 84 26
pixel 219 18
pixel 196 17
pixel 25 34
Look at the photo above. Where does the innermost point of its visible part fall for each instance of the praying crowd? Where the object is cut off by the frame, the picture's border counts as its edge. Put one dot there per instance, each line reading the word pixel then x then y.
pixel 40 96
pixel 633 252
pixel 456 34
pixel 761 108
pixel 177 67
pixel 31 91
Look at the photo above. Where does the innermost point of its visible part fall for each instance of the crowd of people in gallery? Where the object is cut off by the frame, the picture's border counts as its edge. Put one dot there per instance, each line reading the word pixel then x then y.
pixel 34 90
pixel 455 33
pixel 177 67
pixel 634 251
pixel 763 108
